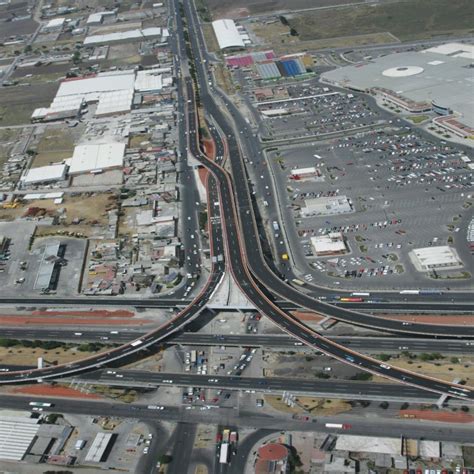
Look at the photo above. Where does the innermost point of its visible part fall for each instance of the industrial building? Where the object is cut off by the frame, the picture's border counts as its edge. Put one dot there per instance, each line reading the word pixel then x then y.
pixel 127 36
pixel 44 174
pixel 329 244
pixel 48 272
pixel 17 434
pixel 227 34
pixel 326 206
pixel 56 24
pixel 441 257
pixel 94 158
pixel 100 448
pixel 112 91
pixel 437 79
pixel 98 18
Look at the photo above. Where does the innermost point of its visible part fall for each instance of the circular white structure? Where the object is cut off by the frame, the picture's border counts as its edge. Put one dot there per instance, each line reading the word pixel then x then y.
pixel 402 71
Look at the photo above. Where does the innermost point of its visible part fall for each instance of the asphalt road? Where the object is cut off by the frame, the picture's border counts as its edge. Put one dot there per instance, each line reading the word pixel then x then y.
pixel 238 259
pixel 360 425
pixel 336 388
pixel 364 344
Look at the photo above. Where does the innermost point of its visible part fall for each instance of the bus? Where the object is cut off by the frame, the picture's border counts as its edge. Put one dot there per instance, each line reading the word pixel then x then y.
pixel 410 292
pixel 40 404
pixel 352 299
pixel 360 294
pixel 136 343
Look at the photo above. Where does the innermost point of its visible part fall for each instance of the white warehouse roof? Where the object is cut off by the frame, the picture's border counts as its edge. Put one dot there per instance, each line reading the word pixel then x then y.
pixel 44 173
pixel 100 83
pixel 55 23
pixel 436 258
pixel 16 436
pixel 227 34
pixel 90 158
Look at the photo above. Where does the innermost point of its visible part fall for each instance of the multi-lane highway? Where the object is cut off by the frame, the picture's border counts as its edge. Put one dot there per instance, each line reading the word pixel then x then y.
pixel 240 257
pixel 243 251
pixel 317 387
pixel 243 418
pixel 244 212
pixel 178 322
pixel 363 344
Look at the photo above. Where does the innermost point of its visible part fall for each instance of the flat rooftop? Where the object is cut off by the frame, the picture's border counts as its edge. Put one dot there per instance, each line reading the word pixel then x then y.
pixel 442 74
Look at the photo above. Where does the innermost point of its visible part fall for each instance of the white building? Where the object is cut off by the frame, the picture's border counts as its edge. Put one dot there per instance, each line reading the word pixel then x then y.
pixel 329 244
pixel 227 34
pixel 124 36
pixel 95 158
pixel 56 24
pixel 44 174
pixel 441 257
pixel 17 434
pixel 326 206
pixel 112 91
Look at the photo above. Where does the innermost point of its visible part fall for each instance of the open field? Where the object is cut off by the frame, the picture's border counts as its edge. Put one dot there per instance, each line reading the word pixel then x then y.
pixel 8 138
pixel 312 405
pixel 87 209
pixel 443 369
pixel 339 42
pixel 55 145
pixel 17 103
pixel 210 38
pixel 29 356
pixel 407 20
pixel 240 8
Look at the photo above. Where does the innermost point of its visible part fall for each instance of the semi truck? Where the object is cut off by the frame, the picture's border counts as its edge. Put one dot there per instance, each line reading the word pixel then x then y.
pixel 340 426
pixel 224 454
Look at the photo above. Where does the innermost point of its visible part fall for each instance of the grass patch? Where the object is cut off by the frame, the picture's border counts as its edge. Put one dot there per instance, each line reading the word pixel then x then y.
pixel 418 118
pixel 210 38
pixel 405 19
pixel 8 139
pixel 55 146
pixel 223 79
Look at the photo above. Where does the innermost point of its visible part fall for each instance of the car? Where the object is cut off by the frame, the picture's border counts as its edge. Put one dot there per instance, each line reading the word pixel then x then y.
pixel 385 366
pixel 327 369
pixel 145 450
pixel 212 380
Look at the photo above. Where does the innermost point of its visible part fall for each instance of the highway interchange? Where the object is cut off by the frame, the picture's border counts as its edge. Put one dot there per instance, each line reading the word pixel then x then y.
pixel 236 229
pixel 253 255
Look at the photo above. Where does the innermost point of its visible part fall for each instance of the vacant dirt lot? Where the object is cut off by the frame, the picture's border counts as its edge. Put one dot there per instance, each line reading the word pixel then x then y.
pixel 406 20
pixel 55 145
pixel 241 8
pixel 17 103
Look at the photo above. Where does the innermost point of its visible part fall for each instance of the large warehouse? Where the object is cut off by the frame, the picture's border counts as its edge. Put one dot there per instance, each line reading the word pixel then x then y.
pixel 438 79
pixel 95 158
pixel 228 35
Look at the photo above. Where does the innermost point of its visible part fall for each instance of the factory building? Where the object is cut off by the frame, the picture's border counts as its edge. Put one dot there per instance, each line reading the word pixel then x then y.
pixel 95 158
pixel 227 34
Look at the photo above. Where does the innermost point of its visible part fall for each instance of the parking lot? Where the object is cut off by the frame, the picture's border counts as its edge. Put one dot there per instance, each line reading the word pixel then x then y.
pixel 408 191
pixel 315 110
